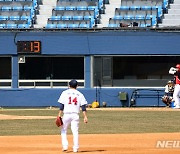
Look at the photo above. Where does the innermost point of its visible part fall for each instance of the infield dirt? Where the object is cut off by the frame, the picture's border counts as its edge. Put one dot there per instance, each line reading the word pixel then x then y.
pixel 90 144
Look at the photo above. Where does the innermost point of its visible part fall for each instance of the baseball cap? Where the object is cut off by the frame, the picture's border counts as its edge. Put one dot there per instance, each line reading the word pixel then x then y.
pixel 73 83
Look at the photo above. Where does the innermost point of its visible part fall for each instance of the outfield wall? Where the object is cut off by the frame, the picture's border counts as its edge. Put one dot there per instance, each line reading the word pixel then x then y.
pixel 49 97
pixel 84 43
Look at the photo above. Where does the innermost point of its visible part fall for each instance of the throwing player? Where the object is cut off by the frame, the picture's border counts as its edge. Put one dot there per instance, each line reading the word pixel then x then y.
pixel 70 102
pixel 176 94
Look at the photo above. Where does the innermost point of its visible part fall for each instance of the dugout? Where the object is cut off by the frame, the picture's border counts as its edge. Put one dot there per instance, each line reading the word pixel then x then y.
pixel 105 62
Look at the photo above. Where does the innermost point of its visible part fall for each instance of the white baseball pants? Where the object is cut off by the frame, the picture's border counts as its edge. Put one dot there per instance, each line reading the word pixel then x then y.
pixel 176 95
pixel 73 120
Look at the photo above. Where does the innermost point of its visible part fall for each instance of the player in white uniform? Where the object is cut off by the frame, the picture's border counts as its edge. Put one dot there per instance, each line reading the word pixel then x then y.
pixel 70 102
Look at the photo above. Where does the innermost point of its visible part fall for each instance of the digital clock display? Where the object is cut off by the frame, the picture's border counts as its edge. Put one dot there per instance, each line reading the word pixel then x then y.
pixel 31 47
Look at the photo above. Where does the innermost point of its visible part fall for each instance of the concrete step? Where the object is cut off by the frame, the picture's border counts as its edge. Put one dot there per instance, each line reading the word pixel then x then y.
pixel 168 25
pixel 176 1
pixel 174 6
pixel 42 19
pixel 174 11
pixel 171 21
pixel 45 12
pixel 49 2
pixel 172 16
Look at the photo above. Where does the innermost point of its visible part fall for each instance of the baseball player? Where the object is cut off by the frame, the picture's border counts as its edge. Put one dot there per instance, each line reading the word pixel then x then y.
pixel 176 94
pixel 70 102
pixel 169 90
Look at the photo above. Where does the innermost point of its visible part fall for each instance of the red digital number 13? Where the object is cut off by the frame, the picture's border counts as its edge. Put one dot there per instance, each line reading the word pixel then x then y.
pixel 73 101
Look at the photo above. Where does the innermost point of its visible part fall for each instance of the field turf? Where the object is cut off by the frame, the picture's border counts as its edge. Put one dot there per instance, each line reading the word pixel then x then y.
pixel 100 122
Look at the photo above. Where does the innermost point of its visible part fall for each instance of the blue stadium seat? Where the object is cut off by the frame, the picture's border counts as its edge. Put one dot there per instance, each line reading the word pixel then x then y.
pixel 77 17
pixel 4 17
pixel 14 17
pixel 88 17
pixel 6 8
pixel 55 18
pixel 73 25
pixel 51 26
pixel 59 8
pixel 134 7
pixel 70 8
pixel 61 26
pixel 81 7
pixel 11 26
pixel 124 7
pixel 27 7
pixel 17 8
pixel 118 17
pixel 66 17
pixel 84 26
pixel 146 7
pixel 25 18
pixel 23 26
pixel 2 26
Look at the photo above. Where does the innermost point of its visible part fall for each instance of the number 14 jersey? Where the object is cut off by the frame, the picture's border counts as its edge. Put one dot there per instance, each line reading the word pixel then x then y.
pixel 72 100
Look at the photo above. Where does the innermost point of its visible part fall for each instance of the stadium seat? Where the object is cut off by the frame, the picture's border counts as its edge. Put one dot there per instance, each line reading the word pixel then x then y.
pixel 59 8
pixel 61 26
pixel 2 26
pixel 4 17
pixel 81 7
pixel 146 7
pixel 118 17
pixel 73 25
pixel 70 8
pixel 25 17
pixel 17 8
pixel 66 17
pixel 84 26
pixel 23 26
pixel 50 26
pixel 11 26
pixel 124 7
pixel 27 7
pixel 6 8
pixel 55 18
pixel 77 17
pixel 14 17
pixel 134 7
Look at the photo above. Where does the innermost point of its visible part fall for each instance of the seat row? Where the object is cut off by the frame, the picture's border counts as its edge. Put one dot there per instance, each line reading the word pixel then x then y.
pixel 85 3
pixel 141 21
pixel 84 20
pixel 14 26
pixel 163 3
pixel 71 26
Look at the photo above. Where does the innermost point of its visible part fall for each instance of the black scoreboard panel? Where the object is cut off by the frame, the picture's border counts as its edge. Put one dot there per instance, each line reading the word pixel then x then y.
pixel 29 47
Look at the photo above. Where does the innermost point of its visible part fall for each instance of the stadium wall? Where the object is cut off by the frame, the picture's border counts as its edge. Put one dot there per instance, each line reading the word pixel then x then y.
pixel 95 43
pixel 87 44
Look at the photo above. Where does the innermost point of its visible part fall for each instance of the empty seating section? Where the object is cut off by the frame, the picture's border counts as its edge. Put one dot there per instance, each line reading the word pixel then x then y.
pixel 17 13
pixel 139 13
pixel 75 14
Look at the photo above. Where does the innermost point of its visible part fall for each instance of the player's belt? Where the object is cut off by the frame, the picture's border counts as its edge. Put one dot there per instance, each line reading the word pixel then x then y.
pixel 71 113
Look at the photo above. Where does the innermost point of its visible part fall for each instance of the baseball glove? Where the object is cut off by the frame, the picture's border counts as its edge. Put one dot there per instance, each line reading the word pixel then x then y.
pixel 59 121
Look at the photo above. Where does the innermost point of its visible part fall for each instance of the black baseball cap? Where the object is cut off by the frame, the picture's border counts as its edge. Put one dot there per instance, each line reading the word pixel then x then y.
pixel 73 83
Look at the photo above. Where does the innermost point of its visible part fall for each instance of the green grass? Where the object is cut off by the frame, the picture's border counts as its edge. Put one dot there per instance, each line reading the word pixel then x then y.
pixel 100 122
